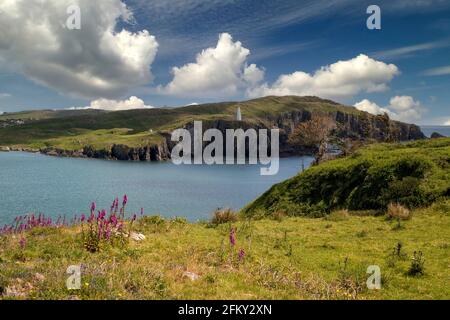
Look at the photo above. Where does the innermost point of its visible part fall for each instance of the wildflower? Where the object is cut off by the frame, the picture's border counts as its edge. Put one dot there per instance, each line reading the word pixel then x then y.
pixel 113 220
pixel 134 217
pixel 22 242
pixel 93 206
pixel 233 236
pixel 125 200
pixel 83 217
pixel 241 254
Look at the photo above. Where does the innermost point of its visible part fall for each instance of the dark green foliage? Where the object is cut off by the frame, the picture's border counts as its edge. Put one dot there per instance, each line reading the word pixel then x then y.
pixel 410 174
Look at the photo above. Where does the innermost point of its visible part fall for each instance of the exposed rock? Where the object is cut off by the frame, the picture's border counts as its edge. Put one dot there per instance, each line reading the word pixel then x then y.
pixel 137 236
pixel 436 135
pixel 191 275
pixel 39 277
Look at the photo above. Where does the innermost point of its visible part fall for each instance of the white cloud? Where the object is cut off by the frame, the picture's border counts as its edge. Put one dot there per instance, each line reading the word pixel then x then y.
pixel 401 108
pixel 121 105
pixel 447 123
pixel 96 61
pixel 371 107
pixel 218 72
pixel 4 95
pixel 411 50
pixel 253 75
pixel 440 71
pixel 338 80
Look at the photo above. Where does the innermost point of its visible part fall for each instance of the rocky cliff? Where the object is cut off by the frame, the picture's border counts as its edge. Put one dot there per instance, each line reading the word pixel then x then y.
pixel 366 127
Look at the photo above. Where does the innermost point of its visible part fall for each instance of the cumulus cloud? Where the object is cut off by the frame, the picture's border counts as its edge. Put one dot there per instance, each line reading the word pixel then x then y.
pixel 371 107
pixel 339 80
pixel 401 108
pixel 96 61
pixel 118 105
pixel 447 123
pixel 219 71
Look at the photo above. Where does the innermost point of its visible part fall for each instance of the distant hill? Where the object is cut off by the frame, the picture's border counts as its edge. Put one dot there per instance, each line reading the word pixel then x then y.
pixel 144 134
pixel 414 174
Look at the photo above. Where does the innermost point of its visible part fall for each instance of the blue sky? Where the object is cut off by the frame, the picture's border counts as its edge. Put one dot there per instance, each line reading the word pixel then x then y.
pixel 283 37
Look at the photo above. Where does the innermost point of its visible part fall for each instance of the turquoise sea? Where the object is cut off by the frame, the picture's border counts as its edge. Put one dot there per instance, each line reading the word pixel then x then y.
pixel 66 186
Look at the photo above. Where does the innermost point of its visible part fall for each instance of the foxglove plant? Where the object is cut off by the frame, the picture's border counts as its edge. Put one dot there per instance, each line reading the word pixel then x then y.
pixel 103 229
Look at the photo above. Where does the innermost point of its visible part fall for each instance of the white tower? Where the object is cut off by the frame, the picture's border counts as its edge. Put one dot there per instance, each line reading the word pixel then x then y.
pixel 238 114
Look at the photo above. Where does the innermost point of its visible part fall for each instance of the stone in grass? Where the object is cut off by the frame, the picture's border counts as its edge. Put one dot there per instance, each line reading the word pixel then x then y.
pixel 39 277
pixel 191 275
pixel 137 236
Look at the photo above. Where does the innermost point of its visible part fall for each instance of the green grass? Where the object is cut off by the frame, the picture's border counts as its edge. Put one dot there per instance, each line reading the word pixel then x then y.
pixel 295 258
pixel 413 174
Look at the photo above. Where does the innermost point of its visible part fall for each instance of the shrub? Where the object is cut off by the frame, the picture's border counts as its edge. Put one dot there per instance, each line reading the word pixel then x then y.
pixel 398 212
pixel 221 216
pixel 405 191
pixel 417 267
pixel 442 206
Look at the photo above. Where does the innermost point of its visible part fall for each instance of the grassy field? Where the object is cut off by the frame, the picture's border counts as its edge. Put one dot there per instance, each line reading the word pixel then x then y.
pixel 273 249
pixel 287 258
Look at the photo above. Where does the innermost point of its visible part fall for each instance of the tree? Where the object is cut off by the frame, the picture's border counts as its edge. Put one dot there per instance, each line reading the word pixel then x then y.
pixel 313 133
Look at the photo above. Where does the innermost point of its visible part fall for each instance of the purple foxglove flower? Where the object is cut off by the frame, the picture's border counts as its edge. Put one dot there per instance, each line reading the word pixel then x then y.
pixel 241 254
pixel 233 236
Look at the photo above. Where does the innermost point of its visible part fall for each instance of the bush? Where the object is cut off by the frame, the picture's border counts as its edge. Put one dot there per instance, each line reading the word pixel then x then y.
pixel 417 267
pixel 221 216
pixel 398 212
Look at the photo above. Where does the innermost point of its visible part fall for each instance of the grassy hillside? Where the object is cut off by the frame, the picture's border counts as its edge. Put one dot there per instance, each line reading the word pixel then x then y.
pixel 73 129
pixel 292 258
pixel 413 174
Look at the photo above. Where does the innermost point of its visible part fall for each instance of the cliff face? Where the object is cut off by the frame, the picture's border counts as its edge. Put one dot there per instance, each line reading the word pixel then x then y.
pixel 363 127
pixel 116 152
pixel 350 126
